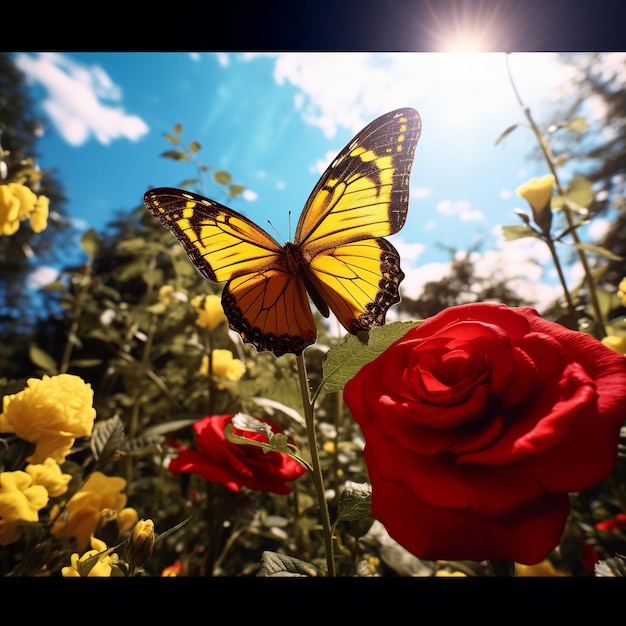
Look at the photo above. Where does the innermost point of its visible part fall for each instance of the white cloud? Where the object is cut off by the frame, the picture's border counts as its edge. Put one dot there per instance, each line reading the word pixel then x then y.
pixel 80 100
pixel 525 265
pixel 41 276
pixel 460 209
pixel 348 90
pixel 249 195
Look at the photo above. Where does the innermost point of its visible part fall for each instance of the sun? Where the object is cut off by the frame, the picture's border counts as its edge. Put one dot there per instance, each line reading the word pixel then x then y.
pixel 477 26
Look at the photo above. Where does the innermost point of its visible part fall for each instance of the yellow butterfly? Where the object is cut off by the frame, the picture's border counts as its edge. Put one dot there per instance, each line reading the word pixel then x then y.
pixel 338 255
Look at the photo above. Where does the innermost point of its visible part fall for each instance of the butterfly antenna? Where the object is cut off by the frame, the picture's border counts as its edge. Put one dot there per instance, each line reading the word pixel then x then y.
pixel 280 238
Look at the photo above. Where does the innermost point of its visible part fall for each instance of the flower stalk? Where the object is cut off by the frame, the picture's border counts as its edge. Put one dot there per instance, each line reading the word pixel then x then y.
pixel 316 474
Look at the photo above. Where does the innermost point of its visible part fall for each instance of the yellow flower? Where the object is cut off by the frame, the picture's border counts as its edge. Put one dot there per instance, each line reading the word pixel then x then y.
pixel 21 500
pixel 210 311
pixel 18 202
pixel 50 413
pixel 544 568
pixel 621 290
pixel 224 365
pixel 49 475
pixel 615 343
pixel 39 215
pixel 537 191
pixel 85 507
pixel 140 543
pixel 103 566
pixel 26 199
pixel 9 211
pixel 169 297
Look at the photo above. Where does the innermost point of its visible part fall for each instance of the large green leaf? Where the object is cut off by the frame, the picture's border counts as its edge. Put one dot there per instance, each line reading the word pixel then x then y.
pixel 343 362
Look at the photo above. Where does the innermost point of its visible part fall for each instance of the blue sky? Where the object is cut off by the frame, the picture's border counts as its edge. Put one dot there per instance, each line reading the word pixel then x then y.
pixel 274 121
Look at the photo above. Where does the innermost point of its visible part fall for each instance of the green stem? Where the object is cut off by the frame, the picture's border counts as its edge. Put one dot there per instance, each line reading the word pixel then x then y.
pixel 76 313
pixel 316 472
pixel 549 157
pixel 500 567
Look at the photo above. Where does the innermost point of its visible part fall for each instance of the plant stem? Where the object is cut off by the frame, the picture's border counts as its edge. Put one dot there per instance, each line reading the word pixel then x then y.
pixel 547 153
pixel 316 472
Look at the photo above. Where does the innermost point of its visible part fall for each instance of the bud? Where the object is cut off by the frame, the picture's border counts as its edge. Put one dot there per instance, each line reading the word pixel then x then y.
pixel 109 527
pixel 140 544
pixel 538 193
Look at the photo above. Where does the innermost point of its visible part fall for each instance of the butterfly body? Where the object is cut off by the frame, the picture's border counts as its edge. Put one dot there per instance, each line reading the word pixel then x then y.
pixel 339 257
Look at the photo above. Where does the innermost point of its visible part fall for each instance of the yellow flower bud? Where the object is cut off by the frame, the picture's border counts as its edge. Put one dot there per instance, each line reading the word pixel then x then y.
pixel 538 193
pixel 140 544
pixel 109 527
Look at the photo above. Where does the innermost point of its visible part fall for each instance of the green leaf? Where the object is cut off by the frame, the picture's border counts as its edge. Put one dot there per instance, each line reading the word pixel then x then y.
pixel 42 359
pixel 55 286
pixel 90 243
pixel 510 233
pixel 235 190
pixel 176 155
pixel 579 191
pixel 222 177
pixel 599 250
pixel 274 564
pixel 355 502
pixel 194 147
pixel 343 362
pixel 177 128
pixel 507 132
pixel 188 182
pixel 107 439
pixel 172 138
pixel 86 362
pixel 576 125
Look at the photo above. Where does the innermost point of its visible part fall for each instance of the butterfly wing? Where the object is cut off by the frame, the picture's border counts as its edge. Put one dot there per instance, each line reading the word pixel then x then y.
pixel 264 299
pixel 361 198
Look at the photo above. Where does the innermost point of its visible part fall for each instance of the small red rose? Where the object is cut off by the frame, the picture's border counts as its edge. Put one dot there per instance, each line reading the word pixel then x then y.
pixel 478 423
pixel 236 465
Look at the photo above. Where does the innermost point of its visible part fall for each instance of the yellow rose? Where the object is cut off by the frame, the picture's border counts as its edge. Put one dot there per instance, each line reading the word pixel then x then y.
pixel 85 507
pixel 39 214
pixel 615 343
pixel 210 311
pixel 103 566
pixel 224 365
pixel 49 475
pixel 26 199
pixel 50 413
pixel 9 211
pixel 21 500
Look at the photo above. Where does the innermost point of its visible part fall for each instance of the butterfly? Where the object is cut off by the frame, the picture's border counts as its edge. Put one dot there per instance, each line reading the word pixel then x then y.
pixel 338 256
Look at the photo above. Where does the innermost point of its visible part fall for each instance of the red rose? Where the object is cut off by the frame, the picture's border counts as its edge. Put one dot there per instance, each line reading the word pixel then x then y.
pixel 478 423
pixel 234 465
